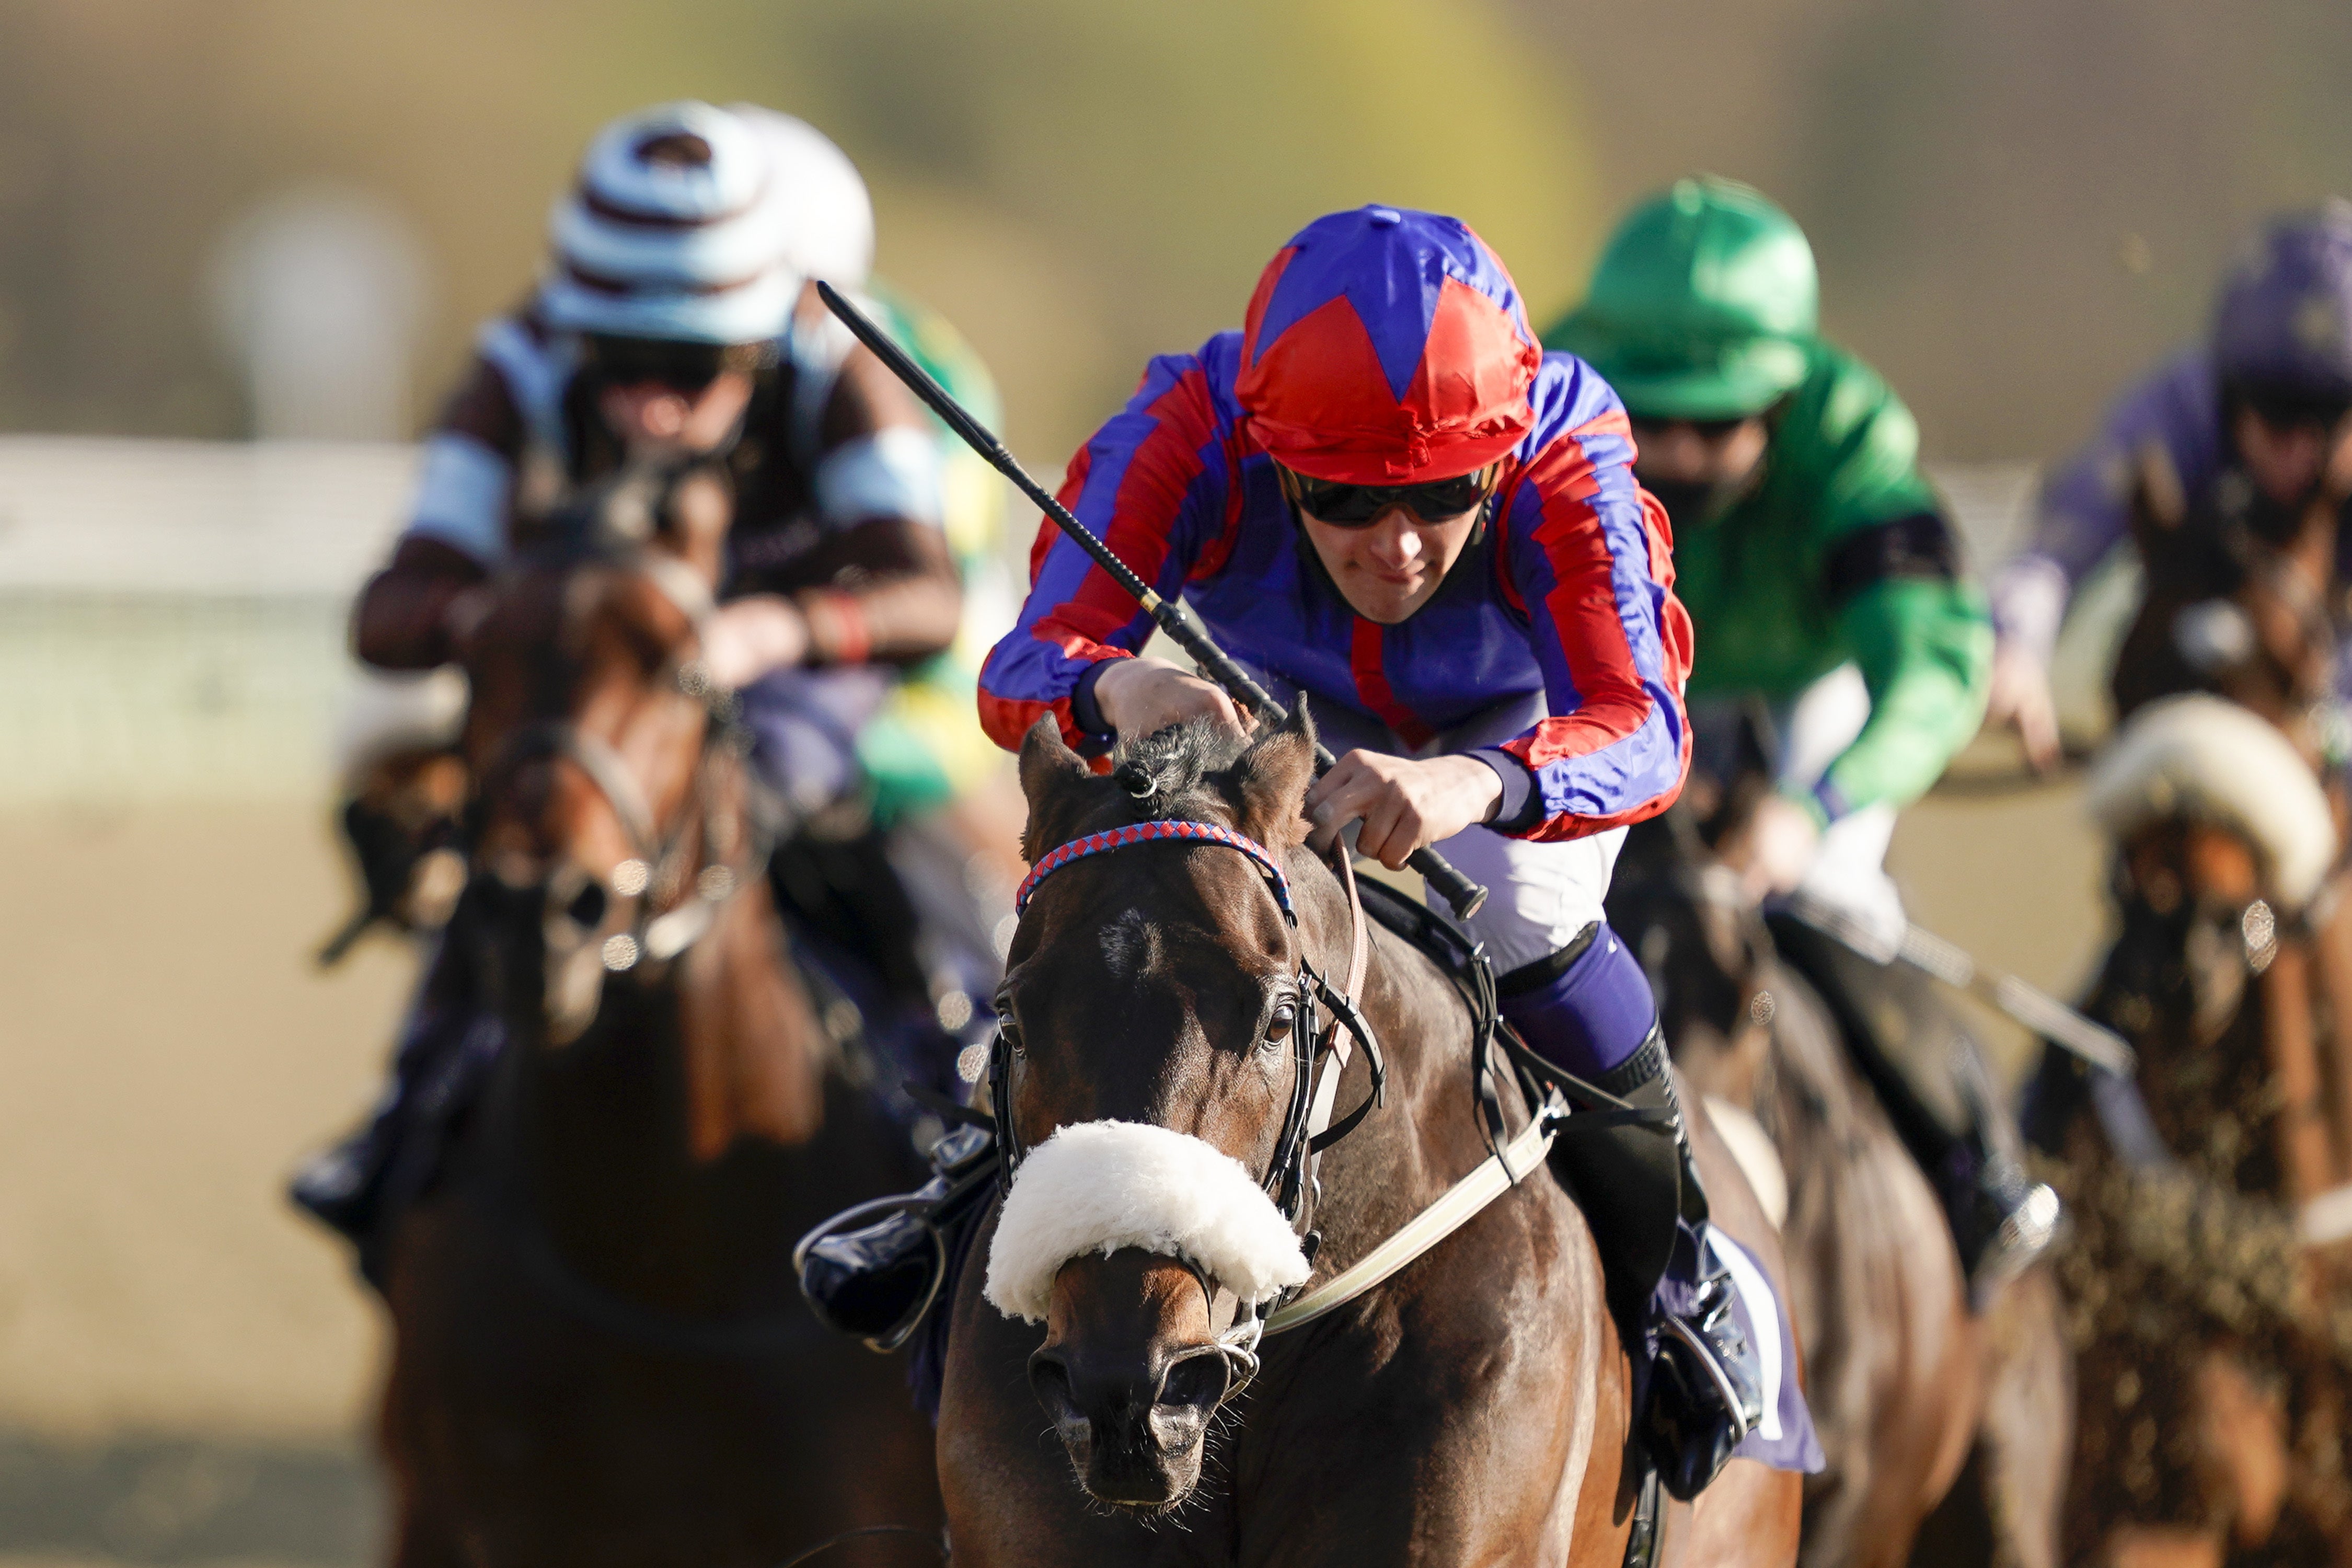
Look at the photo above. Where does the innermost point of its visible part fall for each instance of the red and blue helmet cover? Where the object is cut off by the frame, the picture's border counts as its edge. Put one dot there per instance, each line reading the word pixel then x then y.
pixel 1386 346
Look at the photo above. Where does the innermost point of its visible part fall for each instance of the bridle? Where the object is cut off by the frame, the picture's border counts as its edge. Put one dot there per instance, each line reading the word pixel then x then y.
pixel 1307 1129
pixel 655 869
pixel 730 853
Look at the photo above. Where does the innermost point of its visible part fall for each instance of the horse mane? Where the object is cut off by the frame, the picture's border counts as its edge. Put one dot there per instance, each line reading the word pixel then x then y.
pixel 1168 773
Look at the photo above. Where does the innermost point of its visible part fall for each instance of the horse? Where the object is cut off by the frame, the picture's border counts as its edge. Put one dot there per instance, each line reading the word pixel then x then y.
pixel 2205 1278
pixel 1476 1406
pixel 598 1351
pixel 1910 1392
pixel 2207 1192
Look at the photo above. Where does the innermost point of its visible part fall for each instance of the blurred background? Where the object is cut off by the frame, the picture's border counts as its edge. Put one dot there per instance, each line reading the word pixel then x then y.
pixel 243 244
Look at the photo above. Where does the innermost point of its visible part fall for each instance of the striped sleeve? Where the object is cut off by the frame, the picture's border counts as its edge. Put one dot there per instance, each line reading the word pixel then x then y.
pixel 466 475
pixel 1591 558
pixel 1155 484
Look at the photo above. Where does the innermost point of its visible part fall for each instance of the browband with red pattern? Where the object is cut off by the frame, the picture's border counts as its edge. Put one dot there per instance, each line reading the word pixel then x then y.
pixel 1166 829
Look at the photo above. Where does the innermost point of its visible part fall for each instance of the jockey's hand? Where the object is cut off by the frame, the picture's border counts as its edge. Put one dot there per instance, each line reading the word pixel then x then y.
pixel 1142 696
pixel 2020 699
pixel 752 637
pixel 1782 840
pixel 1405 804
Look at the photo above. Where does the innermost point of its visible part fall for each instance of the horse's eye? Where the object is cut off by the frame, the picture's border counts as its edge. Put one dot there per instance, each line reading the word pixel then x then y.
pixel 1012 1032
pixel 1279 1027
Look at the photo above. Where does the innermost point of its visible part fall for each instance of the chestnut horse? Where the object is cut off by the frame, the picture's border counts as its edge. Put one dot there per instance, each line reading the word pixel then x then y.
pixel 2207 1278
pixel 599 1353
pixel 1475 1407
pixel 1902 1380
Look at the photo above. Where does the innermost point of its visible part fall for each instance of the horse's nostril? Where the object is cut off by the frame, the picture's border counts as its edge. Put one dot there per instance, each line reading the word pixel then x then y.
pixel 1050 1381
pixel 1197 1382
pixel 588 908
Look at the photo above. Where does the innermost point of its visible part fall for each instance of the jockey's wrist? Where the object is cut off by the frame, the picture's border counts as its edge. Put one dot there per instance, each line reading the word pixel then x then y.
pixel 833 627
pixel 1519 806
pixel 1087 708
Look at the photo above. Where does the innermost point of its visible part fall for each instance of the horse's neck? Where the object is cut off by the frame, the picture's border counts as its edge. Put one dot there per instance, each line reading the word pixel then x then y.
pixel 680 1129
pixel 1406 1154
pixel 753 1052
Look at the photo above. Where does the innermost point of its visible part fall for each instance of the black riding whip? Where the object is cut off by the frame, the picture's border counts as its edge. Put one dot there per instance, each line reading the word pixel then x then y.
pixel 1184 628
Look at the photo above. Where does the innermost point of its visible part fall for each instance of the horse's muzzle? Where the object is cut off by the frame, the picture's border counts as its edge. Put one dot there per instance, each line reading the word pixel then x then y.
pixel 1132 1374
pixel 550 926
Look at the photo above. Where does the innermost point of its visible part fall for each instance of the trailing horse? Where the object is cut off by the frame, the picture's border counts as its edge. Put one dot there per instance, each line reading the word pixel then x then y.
pixel 2205 1285
pixel 2205 1280
pixel 599 1354
pixel 1156 1091
pixel 1902 1380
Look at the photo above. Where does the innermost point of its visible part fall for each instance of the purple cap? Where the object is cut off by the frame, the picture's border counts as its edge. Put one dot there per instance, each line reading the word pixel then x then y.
pixel 2285 312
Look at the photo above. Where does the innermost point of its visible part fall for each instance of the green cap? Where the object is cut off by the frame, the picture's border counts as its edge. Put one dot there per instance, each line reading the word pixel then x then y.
pixel 1704 306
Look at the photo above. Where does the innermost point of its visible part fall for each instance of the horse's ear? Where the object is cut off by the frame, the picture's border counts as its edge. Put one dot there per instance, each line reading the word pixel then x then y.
pixel 1274 774
pixel 1048 770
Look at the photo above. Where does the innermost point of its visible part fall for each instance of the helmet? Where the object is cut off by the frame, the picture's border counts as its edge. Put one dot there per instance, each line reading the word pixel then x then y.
pixel 669 233
pixel 1704 305
pixel 2286 311
pixel 828 216
pixel 1386 346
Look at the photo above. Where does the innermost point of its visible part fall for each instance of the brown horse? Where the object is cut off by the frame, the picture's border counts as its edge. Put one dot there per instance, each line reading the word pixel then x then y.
pixel 1902 1380
pixel 599 1354
pixel 1473 1407
pixel 2217 1356
pixel 2217 1353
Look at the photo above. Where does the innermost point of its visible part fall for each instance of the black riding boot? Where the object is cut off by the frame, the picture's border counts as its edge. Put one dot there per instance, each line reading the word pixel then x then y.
pixel 1667 1285
pixel 879 1280
pixel 443 1046
pixel 1932 1080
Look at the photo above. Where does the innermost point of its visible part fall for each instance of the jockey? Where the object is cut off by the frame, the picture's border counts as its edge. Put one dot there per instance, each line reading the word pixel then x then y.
pixel 2257 420
pixel 672 324
pixel 1825 586
pixel 1381 493
pixel 925 747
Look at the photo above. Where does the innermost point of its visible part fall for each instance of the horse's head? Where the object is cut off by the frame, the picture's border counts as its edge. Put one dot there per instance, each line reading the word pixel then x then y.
pixel 1152 1011
pixel 587 735
pixel 2224 837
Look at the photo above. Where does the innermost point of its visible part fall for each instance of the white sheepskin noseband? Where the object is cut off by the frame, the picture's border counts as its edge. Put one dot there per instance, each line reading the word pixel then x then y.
pixel 1097 1186
pixel 2207 757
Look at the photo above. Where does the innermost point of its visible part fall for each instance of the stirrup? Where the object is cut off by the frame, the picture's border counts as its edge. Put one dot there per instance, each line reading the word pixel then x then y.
pixel 336 1185
pixel 2025 1234
pixel 880 1281
pixel 1706 1393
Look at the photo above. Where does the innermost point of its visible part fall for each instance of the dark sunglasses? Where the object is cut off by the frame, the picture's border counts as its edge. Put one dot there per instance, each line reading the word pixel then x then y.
pixel 1355 506
pixel 682 367
pixel 1708 430
pixel 2287 408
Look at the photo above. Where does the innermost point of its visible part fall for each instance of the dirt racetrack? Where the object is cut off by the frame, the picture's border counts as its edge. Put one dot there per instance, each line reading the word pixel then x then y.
pixel 185 1368
pixel 184 1365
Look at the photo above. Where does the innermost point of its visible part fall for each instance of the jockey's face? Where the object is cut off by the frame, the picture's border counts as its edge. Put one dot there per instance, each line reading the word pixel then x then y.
pixel 1713 452
pixel 653 419
pixel 1389 567
pixel 2289 463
